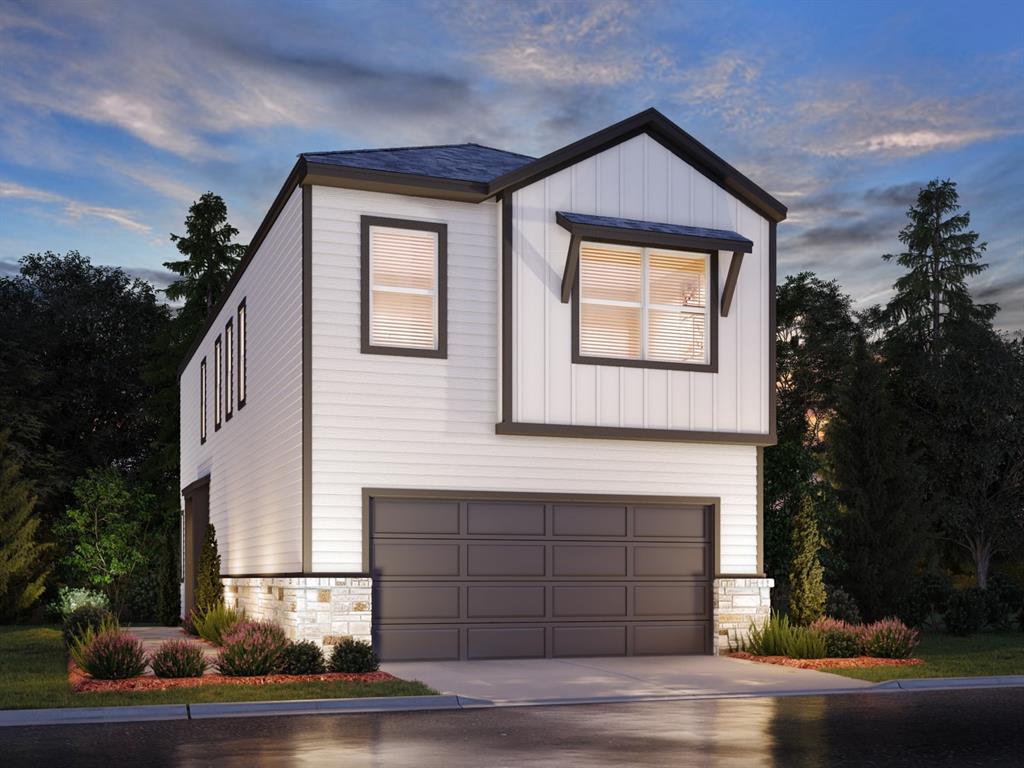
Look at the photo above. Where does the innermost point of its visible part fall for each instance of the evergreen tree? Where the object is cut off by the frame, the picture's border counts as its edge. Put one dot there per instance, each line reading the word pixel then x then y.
pixel 806 576
pixel 22 570
pixel 209 590
pixel 210 258
pixel 941 253
pixel 882 530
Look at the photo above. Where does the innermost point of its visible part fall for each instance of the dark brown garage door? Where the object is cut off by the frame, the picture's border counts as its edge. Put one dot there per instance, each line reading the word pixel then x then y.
pixel 491 579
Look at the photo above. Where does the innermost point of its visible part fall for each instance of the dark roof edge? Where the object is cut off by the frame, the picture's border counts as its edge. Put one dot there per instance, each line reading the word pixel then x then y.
pixel 666 133
pixel 721 240
pixel 294 179
pixel 331 175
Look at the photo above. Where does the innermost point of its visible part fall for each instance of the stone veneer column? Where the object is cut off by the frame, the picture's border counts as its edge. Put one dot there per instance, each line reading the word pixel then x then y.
pixel 738 603
pixel 323 609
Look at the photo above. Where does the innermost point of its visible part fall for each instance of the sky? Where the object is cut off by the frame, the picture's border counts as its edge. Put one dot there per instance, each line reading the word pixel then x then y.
pixel 117 115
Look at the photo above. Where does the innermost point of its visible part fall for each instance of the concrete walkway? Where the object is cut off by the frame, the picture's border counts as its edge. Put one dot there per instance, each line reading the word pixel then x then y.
pixel 541 680
pixel 153 637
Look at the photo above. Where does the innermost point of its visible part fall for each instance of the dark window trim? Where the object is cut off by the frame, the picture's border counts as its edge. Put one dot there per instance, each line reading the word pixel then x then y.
pixel 229 370
pixel 441 230
pixel 218 376
pixel 242 314
pixel 202 401
pixel 592 432
pixel 709 367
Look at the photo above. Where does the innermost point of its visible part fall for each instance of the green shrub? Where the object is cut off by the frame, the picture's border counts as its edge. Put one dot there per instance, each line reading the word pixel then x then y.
pixel 842 640
pixel 209 590
pixel 965 612
pixel 780 638
pixel 303 658
pixel 356 656
pixel 889 639
pixel 178 658
pixel 109 654
pixel 70 598
pixel 214 623
pixel 252 648
pixel 1003 599
pixel 86 618
pixel 806 575
pixel 840 605
pixel 926 597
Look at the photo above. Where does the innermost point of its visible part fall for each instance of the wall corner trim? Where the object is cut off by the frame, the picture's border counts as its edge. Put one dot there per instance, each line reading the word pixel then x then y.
pixel 307 378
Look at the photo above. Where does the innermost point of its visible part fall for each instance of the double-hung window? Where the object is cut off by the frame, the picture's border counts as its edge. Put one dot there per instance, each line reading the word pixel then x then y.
pixel 644 306
pixel 404 287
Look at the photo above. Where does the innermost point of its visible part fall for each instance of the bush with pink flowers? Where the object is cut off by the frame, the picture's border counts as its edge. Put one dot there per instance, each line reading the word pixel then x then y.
pixel 889 639
pixel 109 654
pixel 178 658
pixel 252 648
pixel 842 640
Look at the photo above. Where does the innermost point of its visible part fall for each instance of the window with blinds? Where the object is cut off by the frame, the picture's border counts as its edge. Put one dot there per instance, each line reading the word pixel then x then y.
pixel 404 290
pixel 643 304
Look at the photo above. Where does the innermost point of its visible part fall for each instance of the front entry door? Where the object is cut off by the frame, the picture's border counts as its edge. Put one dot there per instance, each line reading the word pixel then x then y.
pixel 197 517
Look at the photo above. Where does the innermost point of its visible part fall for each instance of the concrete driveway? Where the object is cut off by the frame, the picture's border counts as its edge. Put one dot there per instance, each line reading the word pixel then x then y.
pixel 610 679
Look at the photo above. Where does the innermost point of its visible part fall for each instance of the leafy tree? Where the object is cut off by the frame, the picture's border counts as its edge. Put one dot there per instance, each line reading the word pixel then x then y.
pixel 941 254
pixel 806 576
pixel 22 557
pixel 883 529
pixel 107 532
pixel 210 258
pixel 209 590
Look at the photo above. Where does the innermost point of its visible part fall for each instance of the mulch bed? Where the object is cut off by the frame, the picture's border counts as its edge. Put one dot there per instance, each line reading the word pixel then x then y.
pixel 83 683
pixel 855 662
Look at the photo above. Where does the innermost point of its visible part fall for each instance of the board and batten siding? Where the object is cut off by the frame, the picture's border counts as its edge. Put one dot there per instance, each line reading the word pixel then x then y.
pixel 382 421
pixel 255 459
pixel 637 179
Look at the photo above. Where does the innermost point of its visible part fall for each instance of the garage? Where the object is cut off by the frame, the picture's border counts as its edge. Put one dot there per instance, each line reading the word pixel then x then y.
pixel 498 576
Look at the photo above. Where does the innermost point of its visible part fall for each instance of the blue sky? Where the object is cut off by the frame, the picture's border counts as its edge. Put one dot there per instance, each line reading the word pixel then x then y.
pixel 117 115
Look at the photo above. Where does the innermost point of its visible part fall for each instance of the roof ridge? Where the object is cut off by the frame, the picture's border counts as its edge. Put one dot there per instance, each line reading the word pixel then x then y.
pixel 420 146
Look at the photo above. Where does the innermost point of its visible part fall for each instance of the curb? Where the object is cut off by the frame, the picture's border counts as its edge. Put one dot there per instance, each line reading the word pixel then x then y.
pixel 323 706
pixel 83 715
pixel 951 683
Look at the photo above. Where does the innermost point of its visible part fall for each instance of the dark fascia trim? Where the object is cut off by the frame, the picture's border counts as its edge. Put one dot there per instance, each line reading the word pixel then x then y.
pixel 390 182
pixel 729 289
pixel 243 332
pixel 760 509
pixel 714 502
pixel 299 575
pixel 506 308
pixel 633 433
pixel 709 367
pixel 441 230
pixel 195 485
pixel 666 133
pixel 772 331
pixel 293 180
pixel 307 378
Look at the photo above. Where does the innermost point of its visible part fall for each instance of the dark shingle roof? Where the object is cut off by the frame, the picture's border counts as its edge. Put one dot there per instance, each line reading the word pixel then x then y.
pixel 636 225
pixel 459 162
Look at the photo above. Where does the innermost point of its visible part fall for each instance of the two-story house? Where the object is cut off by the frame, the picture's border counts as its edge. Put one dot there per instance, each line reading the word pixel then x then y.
pixel 474 404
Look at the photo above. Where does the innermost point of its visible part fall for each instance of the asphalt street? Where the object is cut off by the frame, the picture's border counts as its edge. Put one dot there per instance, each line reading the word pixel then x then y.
pixel 933 728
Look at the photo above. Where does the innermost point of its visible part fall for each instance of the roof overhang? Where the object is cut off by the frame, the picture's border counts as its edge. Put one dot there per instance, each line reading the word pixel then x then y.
pixel 330 175
pixel 605 229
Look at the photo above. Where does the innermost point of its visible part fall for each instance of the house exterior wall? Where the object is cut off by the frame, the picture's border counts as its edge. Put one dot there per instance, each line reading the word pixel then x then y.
pixel 381 421
pixel 255 458
pixel 638 179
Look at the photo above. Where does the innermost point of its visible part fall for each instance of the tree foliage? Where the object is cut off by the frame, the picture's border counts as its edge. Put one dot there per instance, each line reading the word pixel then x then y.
pixel 23 568
pixel 209 589
pixel 806 575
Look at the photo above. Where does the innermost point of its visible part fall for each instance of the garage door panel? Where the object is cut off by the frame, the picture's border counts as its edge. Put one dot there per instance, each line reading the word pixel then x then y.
pixel 567 602
pixel 512 602
pixel 418 643
pixel 505 560
pixel 394 602
pixel 664 640
pixel 670 522
pixel 505 643
pixel 686 560
pixel 505 519
pixel 416 559
pixel 582 560
pixel 589 641
pixel 579 520
pixel 403 516
pixel 670 600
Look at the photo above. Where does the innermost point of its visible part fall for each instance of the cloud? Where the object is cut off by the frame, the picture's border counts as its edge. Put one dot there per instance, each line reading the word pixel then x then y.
pixel 73 209
pixel 896 195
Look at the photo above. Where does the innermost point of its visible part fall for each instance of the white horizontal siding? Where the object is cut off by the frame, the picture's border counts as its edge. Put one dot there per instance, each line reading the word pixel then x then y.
pixel 255 459
pixel 637 179
pixel 402 422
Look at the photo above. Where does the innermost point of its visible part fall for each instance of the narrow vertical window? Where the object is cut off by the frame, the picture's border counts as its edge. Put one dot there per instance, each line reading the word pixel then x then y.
pixel 218 384
pixel 241 355
pixel 229 369
pixel 202 401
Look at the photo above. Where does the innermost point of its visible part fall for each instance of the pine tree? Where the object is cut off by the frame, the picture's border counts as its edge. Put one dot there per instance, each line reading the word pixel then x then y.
pixel 22 558
pixel 883 528
pixel 209 590
pixel 941 254
pixel 806 576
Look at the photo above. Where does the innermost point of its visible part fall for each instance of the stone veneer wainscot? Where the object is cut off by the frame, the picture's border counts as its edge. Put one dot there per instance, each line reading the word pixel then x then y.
pixel 738 603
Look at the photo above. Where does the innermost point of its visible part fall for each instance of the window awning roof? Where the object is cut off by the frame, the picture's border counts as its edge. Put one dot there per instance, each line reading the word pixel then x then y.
pixel 610 229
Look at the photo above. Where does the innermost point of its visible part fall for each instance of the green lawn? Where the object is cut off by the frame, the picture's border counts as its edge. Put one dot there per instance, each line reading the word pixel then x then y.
pixel 990 653
pixel 33 673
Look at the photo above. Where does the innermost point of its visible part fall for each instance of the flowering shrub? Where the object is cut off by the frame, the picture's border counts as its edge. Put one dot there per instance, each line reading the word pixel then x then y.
pixel 71 598
pixel 354 656
pixel 302 658
pixel 252 648
pixel 889 639
pixel 87 619
pixel 216 622
pixel 178 658
pixel 842 640
pixel 109 654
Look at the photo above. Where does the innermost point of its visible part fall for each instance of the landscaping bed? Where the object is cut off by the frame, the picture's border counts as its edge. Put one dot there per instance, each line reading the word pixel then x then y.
pixel 856 662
